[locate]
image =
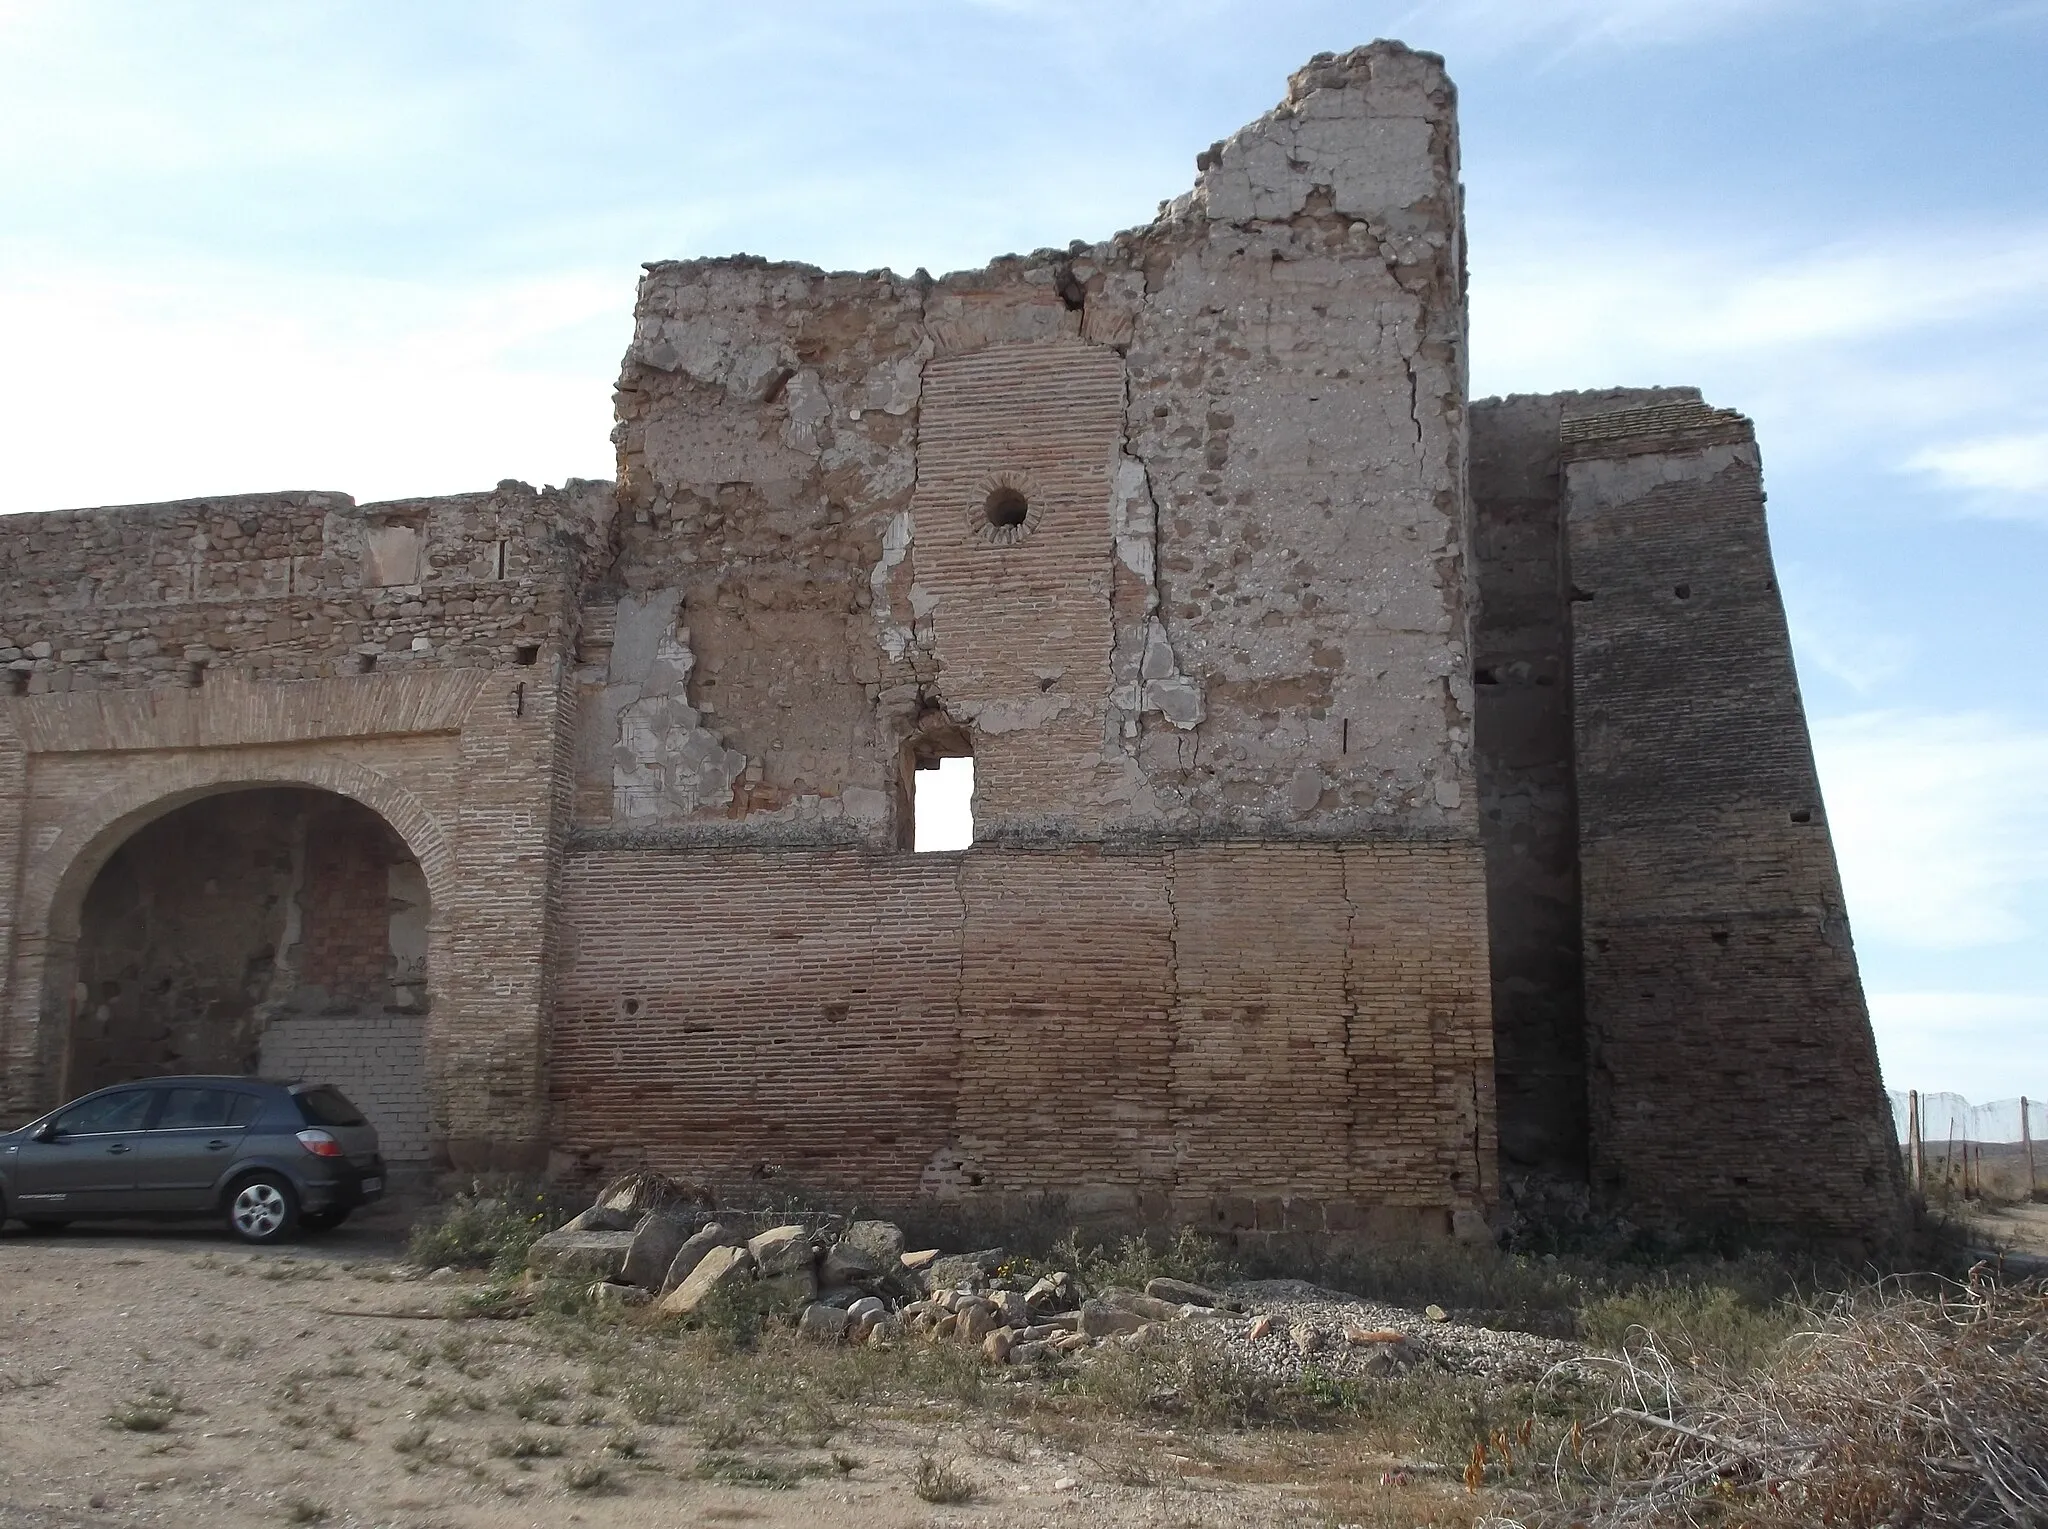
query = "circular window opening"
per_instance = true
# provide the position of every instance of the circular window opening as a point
(1006, 508)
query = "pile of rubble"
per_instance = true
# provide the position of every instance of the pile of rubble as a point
(650, 1239)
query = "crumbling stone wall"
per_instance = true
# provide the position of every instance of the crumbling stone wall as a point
(407, 656)
(1321, 796)
(1169, 532)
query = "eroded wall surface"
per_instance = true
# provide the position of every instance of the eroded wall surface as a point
(1170, 533)
(1733, 1073)
(405, 655)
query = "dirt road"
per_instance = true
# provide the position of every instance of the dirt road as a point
(175, 1378)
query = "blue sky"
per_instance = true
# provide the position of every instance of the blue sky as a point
(390, 249)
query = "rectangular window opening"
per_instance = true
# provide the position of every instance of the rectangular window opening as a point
(942, 804)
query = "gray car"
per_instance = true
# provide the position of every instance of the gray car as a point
(270, 1158)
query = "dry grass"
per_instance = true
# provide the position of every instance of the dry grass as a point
(1897, 1408)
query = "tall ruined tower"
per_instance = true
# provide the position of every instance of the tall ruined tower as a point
(1678, 1010)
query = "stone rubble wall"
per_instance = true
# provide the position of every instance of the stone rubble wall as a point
(290, 586)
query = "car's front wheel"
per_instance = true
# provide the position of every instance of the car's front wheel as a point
(263, 1208)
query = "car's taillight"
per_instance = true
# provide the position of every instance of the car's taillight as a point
(320, 1144)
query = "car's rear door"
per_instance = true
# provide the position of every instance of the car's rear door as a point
(192, 1140)
(87, 1167)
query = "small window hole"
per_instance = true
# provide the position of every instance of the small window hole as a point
(1005, 508)
(195, 673)
(1802, 814)
(1683, 591)
(17, 681)
(366, 663)
(942, 804)
(1485, 677)
(526, 654)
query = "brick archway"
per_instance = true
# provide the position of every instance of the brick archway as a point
(63, 868)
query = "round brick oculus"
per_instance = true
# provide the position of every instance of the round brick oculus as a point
(1006, 506)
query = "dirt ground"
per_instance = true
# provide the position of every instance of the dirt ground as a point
(2021, 1228)
(173, 1377)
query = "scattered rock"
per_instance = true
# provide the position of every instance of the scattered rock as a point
(867, 1306)
(782, 1249)
(717, 1269)
(1309, 1340)
(1259, 1328)
(965, 1270)
(880, 1240)
(692, 1252)
(1181, 1293)
(1099, 1319)
(1030, 1352)
(1015, 1310)
(606, 1294)
(848, 1263)
(977, 1322)
(656, 1240)
(995, 1347)
(822, 1324)
(580, 1255)
(1436, 1314)
(922, 1259)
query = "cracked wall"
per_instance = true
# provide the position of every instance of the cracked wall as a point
(1235, 603)
(1170, 531)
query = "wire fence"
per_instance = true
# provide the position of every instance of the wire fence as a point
(1952, 1146)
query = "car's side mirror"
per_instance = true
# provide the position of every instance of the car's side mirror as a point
(47, 1131)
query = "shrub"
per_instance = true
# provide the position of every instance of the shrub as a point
(482, 1231)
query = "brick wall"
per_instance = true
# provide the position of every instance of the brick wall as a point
(378, 1060)
(344, 946)
(1266, 1040)
(1734, 1077)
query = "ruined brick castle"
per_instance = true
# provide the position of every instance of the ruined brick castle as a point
(1377, 793)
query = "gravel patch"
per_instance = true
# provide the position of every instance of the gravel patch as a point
(1291, 1307)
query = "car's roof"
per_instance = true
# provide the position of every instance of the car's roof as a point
(203, 1077)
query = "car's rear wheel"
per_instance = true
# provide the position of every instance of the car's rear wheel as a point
(322, 1220)
(263, 1208)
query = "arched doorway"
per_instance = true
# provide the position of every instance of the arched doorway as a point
(274, 931)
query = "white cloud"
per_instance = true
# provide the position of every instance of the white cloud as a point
(221, 380)
(1940, 825)
(1990, 465)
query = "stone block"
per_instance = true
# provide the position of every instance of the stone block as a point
(692, 1252)
(656, 1241)
(580, 1255)
(781, 1249)
(718, 1269)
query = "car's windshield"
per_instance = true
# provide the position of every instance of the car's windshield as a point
(329, 1107)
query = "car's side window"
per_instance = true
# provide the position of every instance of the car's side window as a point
(244, 1109)
(195, 1109)
(124, 1110)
